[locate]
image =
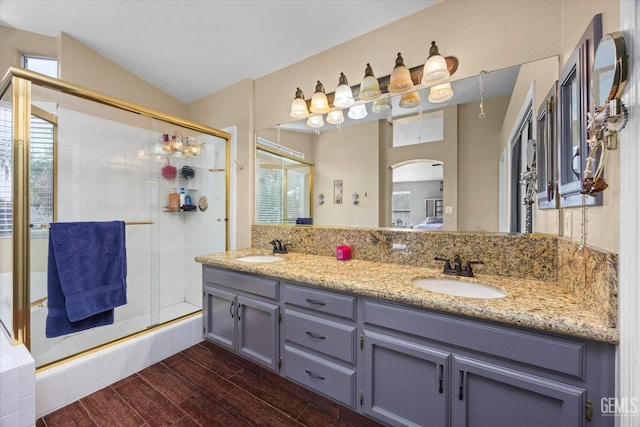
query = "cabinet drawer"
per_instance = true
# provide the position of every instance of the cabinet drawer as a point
(328, 337)
(565, 356)
(321, 375)
(241, 282)
(321, 301)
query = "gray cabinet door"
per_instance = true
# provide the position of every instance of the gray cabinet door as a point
(258, 337)
(405, 382)
(219, 311)
(487, 395)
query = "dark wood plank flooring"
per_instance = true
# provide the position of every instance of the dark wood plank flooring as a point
(204, 385)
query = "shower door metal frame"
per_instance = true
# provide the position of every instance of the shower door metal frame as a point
(20, 80)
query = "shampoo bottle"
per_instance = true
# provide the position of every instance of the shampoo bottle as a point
(182, 197)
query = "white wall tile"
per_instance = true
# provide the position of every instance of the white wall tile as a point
(139, 354)
(51, 391)
(162, 345)
(113, 365)
(82, 377)
(9, 399)
(182, 336)
(27, 411)
(12, 419)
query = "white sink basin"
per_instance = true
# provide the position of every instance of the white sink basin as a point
(259, 258)
(459, 288)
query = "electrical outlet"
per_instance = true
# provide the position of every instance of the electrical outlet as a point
(567, 224)
(448, 209)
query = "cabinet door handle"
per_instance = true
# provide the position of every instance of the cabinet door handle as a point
(441, 367)
(240, 307)
(231, 309)
(315, 376)
(461, 390)
(314, 335)
(315, 302)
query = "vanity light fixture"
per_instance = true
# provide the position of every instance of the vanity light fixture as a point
(344, 94)
(357, 112)
(299, 106)
(435, 69)
(400, 80)
(335, 118)
(370, 87)
(321, 199)
(440, 93)
(319, 102)
(410, 100)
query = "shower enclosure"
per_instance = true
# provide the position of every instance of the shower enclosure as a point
(71, 154)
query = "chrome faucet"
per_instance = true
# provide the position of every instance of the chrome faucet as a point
(457, 269)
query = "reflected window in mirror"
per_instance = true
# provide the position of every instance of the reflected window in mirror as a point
(522, 159)
(547, 151)
(283, 187)
(574, 106)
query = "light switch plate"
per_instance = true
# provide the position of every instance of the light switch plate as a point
(448, 209)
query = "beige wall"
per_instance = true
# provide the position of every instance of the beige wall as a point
(14, 43)
(298, 141)
(478, 164)
(233, 106)
(351, 155)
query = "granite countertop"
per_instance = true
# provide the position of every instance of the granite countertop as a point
(536, 304)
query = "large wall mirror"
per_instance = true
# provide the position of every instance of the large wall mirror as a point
(452, 156)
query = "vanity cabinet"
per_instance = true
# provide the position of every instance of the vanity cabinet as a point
(424, 368)
(320, 338)
(408, 366)
(241, 313)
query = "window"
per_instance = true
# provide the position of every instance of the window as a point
(43, 130)
(401, 208)
(46, 66)
(282, 188)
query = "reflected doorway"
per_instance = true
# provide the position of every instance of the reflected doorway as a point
(417, 195)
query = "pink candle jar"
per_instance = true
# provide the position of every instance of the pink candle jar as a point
(343, 252)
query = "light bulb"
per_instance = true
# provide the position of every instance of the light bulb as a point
(410, 100)
(335, 117)
(381, 106)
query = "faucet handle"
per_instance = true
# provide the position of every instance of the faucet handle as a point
(447, 263)
(468, 268)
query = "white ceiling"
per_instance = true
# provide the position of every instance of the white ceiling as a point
(192, 48)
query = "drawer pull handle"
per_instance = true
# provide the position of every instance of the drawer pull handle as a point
(315, 376)
(316, 336)
(314, 302)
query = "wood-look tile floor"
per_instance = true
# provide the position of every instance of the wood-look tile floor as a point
(204, 385)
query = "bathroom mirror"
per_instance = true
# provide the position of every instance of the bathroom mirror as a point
(364, 153)
(609, 73)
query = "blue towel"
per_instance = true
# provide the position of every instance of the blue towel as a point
(86, 277)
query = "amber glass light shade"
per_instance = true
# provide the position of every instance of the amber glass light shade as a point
(381, 106)
(410, 100)
(299, 106)
(369, 88)
(319, 102)
(440, 93)
(400, 80)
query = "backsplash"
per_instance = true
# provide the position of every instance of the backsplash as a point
(589, 273)
(516, 255)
